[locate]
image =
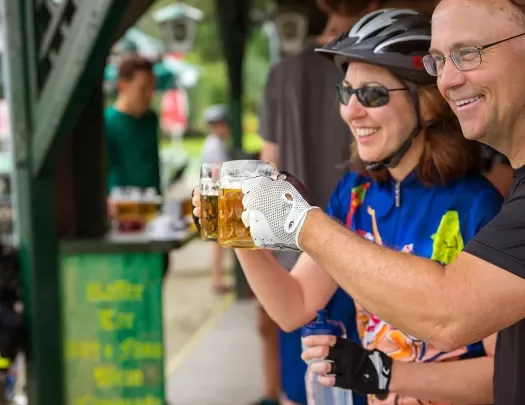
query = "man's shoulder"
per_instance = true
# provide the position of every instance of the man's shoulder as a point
(114, 117)
(152, 115)
(112, 120)
(475, 185)
(475, 192)
(518, 187)
(110, 112)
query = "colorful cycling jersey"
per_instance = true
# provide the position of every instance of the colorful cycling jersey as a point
(432, 222)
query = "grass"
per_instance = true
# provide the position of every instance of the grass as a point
(252, 143)
(192, 147)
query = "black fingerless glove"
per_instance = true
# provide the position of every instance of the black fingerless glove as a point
(355, 368)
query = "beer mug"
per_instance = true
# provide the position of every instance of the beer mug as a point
(231, 232)
(209, 188)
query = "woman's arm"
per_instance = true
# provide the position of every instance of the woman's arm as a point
(290, 298)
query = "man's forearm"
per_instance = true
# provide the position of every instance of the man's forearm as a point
(372, 275)
(456, 382)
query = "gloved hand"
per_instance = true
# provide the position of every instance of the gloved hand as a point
(348, 365)
(275, 211)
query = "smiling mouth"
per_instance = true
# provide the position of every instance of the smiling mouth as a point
(365, 132)
(467, 101)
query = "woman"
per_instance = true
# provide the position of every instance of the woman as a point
(415, 186)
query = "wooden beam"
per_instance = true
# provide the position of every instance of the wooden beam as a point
(75, 71)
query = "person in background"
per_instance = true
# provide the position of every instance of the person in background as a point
(215, 150)
(132, 128)
(304, 134)
(132, 131)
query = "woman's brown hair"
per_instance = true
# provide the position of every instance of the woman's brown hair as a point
(447, 155)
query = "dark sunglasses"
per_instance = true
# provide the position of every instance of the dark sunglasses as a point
(369, 96)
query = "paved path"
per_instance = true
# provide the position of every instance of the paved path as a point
(212, 346)
(223, 367)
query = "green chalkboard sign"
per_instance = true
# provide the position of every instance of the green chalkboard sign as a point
(112, 329)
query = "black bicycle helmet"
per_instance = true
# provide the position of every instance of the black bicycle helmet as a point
(396, 39)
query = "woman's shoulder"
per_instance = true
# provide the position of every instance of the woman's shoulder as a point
(475, 184)
(353, 179)
(476, 191)
(352, 183)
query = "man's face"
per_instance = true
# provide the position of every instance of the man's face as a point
(138, 91)
(489, 100)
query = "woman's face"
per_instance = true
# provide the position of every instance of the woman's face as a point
(378, 131)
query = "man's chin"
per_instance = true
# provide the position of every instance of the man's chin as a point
(472, 133)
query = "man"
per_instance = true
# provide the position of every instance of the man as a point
(300, 124)
(215, 150)
(477, 47)
(132, 128)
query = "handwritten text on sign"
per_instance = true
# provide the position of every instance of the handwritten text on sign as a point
(113, 329)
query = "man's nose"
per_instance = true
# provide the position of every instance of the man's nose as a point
(450, 78)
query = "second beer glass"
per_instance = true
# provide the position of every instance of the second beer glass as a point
(209, 188)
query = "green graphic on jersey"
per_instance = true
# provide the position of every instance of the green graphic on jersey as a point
(448, 242)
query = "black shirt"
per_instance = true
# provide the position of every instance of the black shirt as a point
(502, 243)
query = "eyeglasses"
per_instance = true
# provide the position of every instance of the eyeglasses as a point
(368, 96)
(465, 58)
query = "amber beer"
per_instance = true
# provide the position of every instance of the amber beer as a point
(209, 189)
(232, 231)
(209, 216)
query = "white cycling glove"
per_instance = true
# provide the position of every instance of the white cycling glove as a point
(275, 212)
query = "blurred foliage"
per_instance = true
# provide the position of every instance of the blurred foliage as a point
(207, 53)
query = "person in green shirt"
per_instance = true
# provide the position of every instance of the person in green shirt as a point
(132, 128)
